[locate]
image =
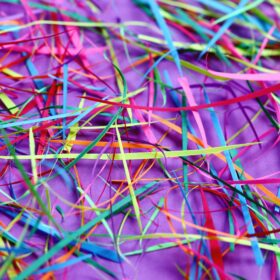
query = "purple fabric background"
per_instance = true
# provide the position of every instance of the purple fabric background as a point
(258, 162)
